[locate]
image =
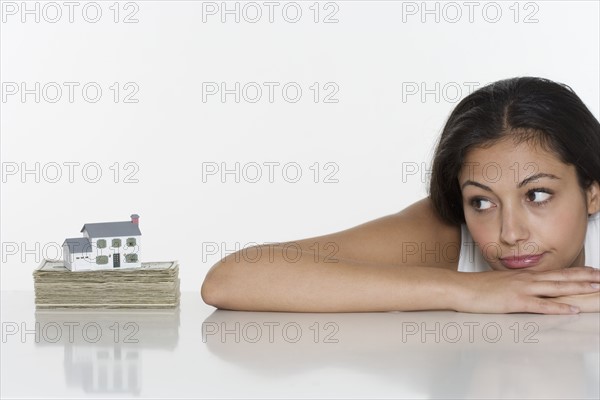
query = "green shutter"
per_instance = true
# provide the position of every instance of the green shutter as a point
(131, 258)
(116, 243)
(101, 243)
(130, 242)
(102, 260)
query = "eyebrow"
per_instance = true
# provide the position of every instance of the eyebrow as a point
(520, 185)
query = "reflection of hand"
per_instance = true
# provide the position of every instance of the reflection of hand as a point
(586, 302)
(546, 292)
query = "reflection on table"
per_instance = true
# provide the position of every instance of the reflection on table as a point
(103, 348)
(439, 354)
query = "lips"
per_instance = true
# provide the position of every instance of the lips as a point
(521, 262)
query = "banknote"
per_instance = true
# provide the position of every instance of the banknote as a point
(154, 285)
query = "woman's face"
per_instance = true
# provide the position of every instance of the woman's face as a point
(540, 221)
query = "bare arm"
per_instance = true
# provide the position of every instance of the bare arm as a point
(276, 284)
(364, 268)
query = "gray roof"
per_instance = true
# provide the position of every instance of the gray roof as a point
(78, 245)
(111, 229)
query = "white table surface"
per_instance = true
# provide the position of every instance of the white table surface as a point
(182, 354)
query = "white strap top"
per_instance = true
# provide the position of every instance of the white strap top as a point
(471, 259)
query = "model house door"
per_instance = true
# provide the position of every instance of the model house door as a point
(116, 260)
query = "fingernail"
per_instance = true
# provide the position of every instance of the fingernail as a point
(574, 309)
(595, 285)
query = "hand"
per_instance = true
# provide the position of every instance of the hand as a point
(547, 292)
(586, 302)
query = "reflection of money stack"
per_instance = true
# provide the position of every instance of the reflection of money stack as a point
(154, 285)
(103, 349)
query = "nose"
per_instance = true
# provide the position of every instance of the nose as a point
(513, 228)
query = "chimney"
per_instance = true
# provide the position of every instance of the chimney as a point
(135, 219)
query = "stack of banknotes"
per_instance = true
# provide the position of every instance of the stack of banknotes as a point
(154, 285)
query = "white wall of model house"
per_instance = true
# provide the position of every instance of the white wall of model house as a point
(104, 252)
(101, 257)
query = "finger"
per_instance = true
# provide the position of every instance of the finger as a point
(586, 302)
(546, 306)
(562, 288)
(581, 274)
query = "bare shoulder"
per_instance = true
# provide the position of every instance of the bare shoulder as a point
(415, 236)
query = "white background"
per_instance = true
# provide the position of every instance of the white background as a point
(370, 133)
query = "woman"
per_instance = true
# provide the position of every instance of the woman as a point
(514, 199)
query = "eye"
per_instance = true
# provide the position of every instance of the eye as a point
(542, 195)
(479, 200)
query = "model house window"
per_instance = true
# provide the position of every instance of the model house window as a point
(116, 243)
(130, 242)
(102, 260)
(101, 243)
(131, 258)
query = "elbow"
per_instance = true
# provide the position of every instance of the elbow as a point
(226, 284)
(217, 283)
(209, 293)
(211, 288)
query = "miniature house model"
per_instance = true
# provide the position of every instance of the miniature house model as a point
(105, 245)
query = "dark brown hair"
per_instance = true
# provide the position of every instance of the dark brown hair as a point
(528, 109)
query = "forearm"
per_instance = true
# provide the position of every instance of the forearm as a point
(308, 285)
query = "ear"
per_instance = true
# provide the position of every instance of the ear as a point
(593, 198)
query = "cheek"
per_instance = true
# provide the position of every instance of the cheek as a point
(564, 229)
(485, 236)
(482, 233)
(487, 245)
